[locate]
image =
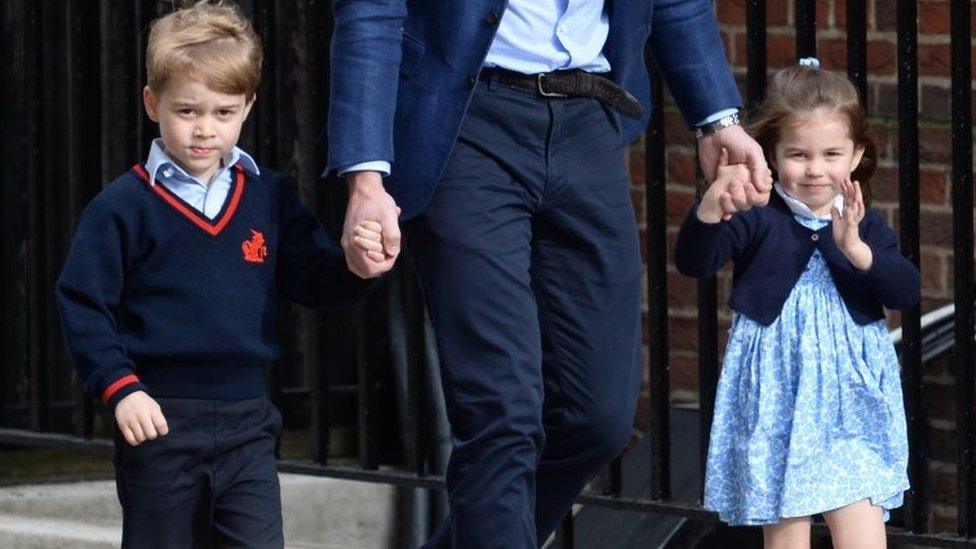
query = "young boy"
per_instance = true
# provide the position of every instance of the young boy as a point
(167, 297)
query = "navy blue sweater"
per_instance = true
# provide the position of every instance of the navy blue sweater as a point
(770, 250)
(156, 297)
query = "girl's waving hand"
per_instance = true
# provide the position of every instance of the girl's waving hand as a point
(845, 226)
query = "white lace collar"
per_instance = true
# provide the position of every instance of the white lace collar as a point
(801, 209)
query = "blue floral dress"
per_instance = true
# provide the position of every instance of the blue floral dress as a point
(808, 413)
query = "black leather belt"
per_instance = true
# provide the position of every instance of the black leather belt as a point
(572, 83)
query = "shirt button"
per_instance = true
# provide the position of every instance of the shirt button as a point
(469, 81)
(491, 18)
(815, 237)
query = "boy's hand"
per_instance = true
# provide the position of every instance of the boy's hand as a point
(140, 418)
(368, 237)
(728, 194)
(369, 201)
(845, 226)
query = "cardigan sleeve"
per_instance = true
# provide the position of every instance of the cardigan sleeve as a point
(311, 267)
(892, 279)
(701, 249)
(88, 293)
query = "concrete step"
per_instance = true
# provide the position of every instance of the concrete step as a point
(93, 502)
(318, 512)
(21, 532)
(331, 513)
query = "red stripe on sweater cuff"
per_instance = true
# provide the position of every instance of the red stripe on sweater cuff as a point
(118, 384)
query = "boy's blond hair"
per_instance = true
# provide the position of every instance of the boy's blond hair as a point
(211, 42)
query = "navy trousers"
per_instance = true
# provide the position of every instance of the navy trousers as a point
(529, 261)
(211, 482)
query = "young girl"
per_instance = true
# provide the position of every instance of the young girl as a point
(808, 415)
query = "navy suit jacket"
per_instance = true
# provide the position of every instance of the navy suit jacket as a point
(403, 72)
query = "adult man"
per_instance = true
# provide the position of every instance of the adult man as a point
(521, 227)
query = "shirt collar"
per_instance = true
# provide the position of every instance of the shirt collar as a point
(158, 158)
(801, 209)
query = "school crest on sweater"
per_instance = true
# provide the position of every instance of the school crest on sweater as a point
(254, 249)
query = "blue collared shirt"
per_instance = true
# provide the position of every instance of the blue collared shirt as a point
(206, 197)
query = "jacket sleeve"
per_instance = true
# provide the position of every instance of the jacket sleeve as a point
(701, 249)
(689, 52)
(892, 279)
(88, 294)
(365, 62)
(311, 267)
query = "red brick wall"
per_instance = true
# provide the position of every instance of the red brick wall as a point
(935, 182)
(939, 396)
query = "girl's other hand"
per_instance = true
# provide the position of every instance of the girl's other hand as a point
(845, 226)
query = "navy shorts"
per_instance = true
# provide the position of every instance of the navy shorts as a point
(211, 482)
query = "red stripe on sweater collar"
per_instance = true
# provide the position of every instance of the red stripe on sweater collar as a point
(213, 227)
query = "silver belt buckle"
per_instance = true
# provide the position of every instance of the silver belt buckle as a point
(542, 92)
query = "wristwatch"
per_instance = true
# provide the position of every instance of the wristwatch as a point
(712, 127)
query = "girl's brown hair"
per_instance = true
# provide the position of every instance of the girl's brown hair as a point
(799, 90)
(207, 41)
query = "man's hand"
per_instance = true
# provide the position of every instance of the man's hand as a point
(140, 418)
(742, 149)
(368, 201)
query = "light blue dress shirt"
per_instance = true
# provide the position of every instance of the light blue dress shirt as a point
(546, 35)
(206, 197)
(542, 36)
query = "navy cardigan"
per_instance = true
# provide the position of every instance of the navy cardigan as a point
(770, 250)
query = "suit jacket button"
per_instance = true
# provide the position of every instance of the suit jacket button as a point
(815, 237)
(491, 18)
